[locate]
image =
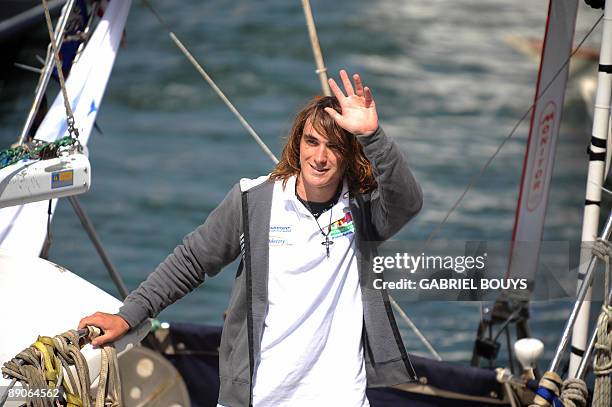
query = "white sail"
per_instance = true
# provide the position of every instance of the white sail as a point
(23, 228)
(541, 144)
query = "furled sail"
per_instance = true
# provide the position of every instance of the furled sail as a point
(23, 228)
(541, 144)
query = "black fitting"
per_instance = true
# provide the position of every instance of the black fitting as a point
(487, 348)
(596, 3)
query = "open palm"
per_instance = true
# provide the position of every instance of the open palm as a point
(358, 108)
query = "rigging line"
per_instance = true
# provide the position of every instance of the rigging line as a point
(414, 328)
(212, 84)
(73, 131)
(477, 177)
(47, 68)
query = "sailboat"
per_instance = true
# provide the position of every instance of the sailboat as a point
(192, 347)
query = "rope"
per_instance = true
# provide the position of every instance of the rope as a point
(36, 150)
(602, 358)
(46, 365)
(548, 391)
(602, 354)
(574, 393)
(602, 249)
(43, 150)
(73, 131)
(552, 392)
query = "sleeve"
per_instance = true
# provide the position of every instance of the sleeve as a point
(397, 197)
(205, 251)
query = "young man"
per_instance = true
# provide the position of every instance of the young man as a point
(304, 326)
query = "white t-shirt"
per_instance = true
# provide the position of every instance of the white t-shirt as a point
(311, 349)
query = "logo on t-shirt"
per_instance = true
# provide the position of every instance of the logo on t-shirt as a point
(279, 235)
(344, 226)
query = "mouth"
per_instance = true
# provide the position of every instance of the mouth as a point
(319, 170)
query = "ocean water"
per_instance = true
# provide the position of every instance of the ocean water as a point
(448, 86)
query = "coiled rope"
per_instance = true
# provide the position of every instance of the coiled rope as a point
(602, 361)
(553, 392)
(574, 392)
(602, 354)
(45, 365)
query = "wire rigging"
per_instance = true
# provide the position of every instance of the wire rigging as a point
(212, 84)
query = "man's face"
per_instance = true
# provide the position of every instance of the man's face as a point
(320, 163)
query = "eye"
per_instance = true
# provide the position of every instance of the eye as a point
(311, 141)
(334, 147)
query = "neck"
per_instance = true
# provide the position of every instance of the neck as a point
(312, 194)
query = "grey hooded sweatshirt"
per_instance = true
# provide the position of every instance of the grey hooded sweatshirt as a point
(240, 226)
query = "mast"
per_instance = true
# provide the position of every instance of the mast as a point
(316, 48)
(595, 178)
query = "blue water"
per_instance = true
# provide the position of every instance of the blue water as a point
(448, 87)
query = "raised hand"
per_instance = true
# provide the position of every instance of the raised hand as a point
(358, 108)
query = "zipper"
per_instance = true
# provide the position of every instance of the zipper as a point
(249, 290)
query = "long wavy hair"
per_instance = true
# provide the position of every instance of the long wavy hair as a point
(357, 168)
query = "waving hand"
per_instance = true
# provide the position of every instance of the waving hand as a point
(358, 108)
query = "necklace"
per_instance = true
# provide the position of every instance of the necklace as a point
(327, 242)
(326, 206)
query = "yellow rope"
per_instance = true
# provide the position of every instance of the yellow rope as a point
(46, 365)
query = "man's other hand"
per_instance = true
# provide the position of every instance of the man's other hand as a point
(113, 327)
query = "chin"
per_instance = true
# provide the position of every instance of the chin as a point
(329, 186)
(319, 182)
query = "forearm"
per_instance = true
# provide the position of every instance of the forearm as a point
(173, 279)
(398, 196)
(205, 251)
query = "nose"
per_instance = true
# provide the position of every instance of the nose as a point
(320, 155)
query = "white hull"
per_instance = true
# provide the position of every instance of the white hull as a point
(41, 298)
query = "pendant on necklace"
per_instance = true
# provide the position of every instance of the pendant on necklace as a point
(327, 243)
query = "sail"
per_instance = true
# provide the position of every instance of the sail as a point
(23, 228)
(541, 144)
